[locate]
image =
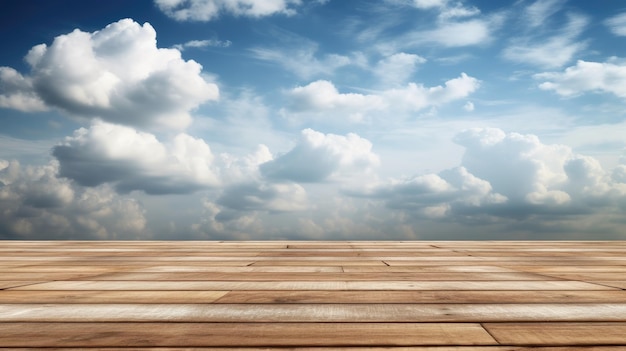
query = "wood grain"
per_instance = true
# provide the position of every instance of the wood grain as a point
(325, 295)
(241, 334)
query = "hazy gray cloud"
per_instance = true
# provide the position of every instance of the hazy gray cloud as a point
(36, 205)
(263, 196)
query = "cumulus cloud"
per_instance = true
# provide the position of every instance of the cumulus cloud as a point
(36, 204)
(540, 48)
(506, 175)
(318, 157)
(587, 76)
(321, 97)
(133, 160)
(207, 10)
(116, 74)
(617, 24)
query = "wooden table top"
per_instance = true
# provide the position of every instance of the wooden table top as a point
(361, 295)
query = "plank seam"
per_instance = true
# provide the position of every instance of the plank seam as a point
(482, 325)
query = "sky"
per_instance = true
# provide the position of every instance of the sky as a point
(313, 120)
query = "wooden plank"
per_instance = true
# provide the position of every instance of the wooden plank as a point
(186, 285)
(16, 283)
(320, 276)
(303, 262)
(428, 296)
(39, 276)
(615, 276)
(428, 268)
(241, 334)
(341, 313)
(65, 269)
(90, 296)
(237, 269)
(315, 285)
(359, 348)
(558, 333)
(569, 269)
(621, 284)
(506, 263)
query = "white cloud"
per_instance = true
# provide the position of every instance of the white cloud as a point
(117, 74)
(417, 97)
(321, 97)
(458, 11)
(506, 175)
(617, 24)
(132, 160)
(203, 44)
(453, 34)
(548, 51)
(447, 9)
(318, 157)
(207, 10)
(457, 25)
(429, 4)
(587, 76)
(36, 205)
(538, 12)
(469, 106)
(397, 68)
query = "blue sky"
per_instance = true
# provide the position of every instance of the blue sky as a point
(294, 119)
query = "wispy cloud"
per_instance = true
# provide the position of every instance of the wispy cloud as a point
(203, 44)
(303, 61)
(537, 47)
(617, 24)
(207, 10)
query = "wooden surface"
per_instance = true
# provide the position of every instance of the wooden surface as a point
(438, 296)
